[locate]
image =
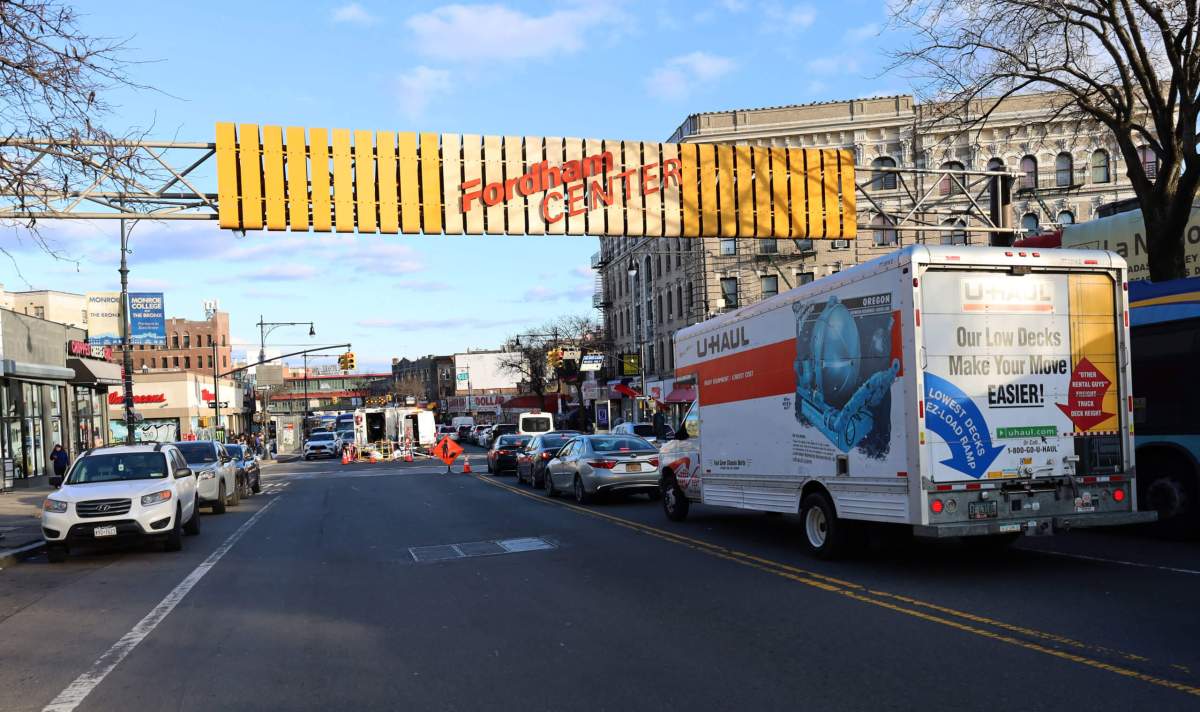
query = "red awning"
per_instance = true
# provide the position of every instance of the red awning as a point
(549, 403)
(681, 394)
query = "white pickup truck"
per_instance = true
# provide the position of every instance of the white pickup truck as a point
(956, 391)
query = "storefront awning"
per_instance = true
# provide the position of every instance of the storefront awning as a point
(20, 369)
(681, 394)
(94, 372)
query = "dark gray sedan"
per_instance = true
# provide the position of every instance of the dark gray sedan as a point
(531, 464)
(248, 473)
(592, 464)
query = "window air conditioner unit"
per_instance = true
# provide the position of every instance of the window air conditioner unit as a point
(720, 303)
(841, 244)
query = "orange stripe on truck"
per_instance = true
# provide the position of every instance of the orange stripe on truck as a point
(753, 373)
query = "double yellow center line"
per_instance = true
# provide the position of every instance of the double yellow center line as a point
(1037, 641)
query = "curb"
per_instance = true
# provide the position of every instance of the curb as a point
(9, 557)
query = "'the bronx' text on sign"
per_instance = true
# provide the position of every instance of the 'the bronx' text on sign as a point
(385, 181)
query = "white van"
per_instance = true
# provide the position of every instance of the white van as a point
(535, 423)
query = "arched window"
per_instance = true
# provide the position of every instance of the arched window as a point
(1030, 224)
(951, 185)
(882, 180)
(954, 237)
(1063, 168)
(1066, 217)
(884, 229)
(1029, 173)
(1149, 160)
(1100, 166)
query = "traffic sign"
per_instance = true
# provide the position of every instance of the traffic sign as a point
(213, 404)
(591, 362)
(447, 450)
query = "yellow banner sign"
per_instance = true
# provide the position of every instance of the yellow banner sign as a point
(389, 182)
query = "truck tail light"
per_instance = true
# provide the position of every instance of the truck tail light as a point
(1119, 495)
(936, 506)
(603, 464)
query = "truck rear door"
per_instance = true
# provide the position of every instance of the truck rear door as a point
(1020, 374)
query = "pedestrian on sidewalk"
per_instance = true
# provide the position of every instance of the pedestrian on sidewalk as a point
(61, 460)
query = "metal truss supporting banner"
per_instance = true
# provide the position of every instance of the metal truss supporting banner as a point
(387, 182)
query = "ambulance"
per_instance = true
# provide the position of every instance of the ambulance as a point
(954, 391)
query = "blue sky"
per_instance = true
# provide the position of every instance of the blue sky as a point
(604, 69)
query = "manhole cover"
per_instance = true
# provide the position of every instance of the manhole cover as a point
(526, 544)
(480, 548)
(434, 553)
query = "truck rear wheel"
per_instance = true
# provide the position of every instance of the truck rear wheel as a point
(675, 502)
(824, 534)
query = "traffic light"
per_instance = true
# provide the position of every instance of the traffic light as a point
(342, 362)
(351, 363)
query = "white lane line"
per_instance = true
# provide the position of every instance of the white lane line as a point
(74, 694)
(1138, 564)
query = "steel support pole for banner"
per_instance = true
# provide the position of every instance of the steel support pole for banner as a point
(216, 387)
(127, 356)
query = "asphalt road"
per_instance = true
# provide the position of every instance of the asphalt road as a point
(318, 594)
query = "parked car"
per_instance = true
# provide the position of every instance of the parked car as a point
(323, 444)
(216, 477)
(475, 431)
(248, 473)
(497, 430)
(641, 430)
(119, 493)
(481, 437)
(593, 464)
(464, 433)
(503, 455)
(531, 463)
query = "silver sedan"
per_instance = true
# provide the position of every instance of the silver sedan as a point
(592, 464)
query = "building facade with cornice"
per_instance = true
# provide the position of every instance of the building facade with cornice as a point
(649, 288)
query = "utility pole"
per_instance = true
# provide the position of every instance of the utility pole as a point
(304, 408)
(216, 390)
(127, 356)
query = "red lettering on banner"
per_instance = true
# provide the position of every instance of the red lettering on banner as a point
(467, 197)
(546, 207)
(574, 196)
(597, 193)
(670, 169)
(492, 193)
(624, 176)
(648, 178)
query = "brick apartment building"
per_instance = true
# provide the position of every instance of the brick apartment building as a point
(192, 345)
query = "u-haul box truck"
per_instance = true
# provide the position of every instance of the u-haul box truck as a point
(957, 391)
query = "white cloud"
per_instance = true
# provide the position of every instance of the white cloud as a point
(862, 33)
(680, 75)
(789, 17)
(419, 86)
(733, 5)
(354, 14)
(485, 33)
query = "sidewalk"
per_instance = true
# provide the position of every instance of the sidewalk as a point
(20, 523)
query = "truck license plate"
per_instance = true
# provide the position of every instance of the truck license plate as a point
(104, 531)
(982, 510)
(633, 467)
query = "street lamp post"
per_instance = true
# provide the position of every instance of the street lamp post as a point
(126, 351)
(266, 327)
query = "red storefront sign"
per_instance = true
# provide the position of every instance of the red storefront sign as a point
(83, 349)
(115, 398)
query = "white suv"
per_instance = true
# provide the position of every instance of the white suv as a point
(119, 493)
(216, 473)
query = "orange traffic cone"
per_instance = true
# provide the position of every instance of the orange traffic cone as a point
(408, 456)
(346, 456)
(466, 466)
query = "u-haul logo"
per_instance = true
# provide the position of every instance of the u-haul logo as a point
(1014, 295)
